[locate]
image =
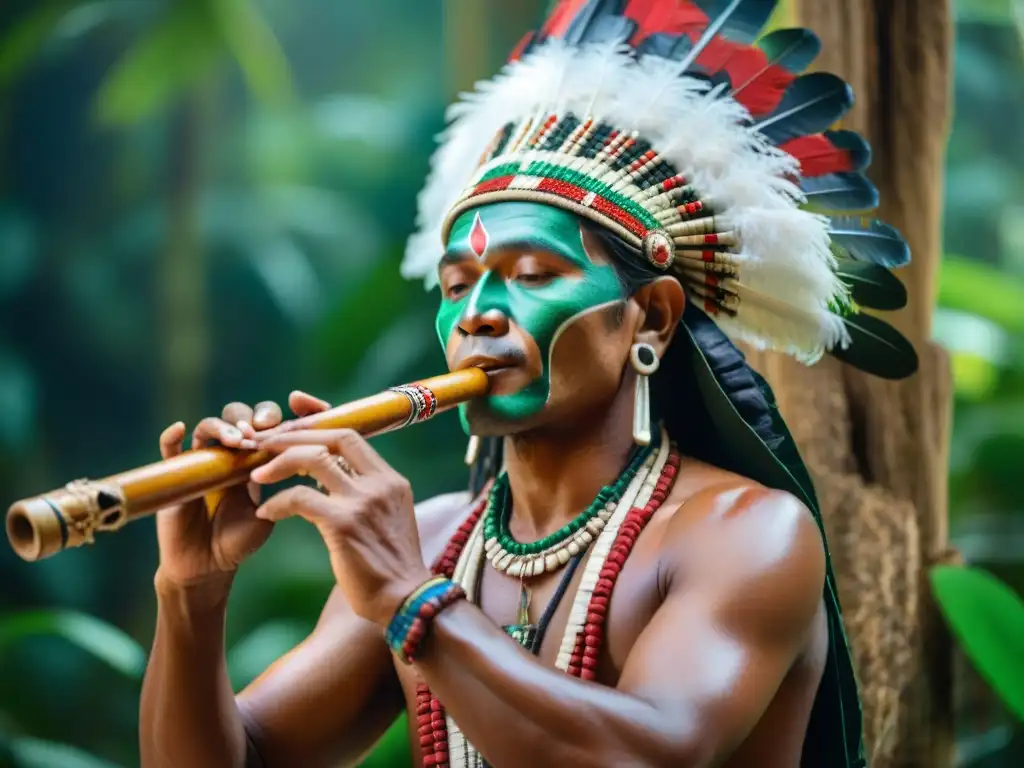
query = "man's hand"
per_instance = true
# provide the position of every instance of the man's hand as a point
(365, 514)
(207, 541)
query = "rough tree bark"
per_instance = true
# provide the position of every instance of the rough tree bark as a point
(878, 450)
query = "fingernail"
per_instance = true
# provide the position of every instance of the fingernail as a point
(232, 433)
(248, 445)
(245, 426)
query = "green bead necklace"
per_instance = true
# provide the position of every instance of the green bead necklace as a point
(553, 551)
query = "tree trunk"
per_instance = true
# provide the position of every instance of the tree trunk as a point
(878, 450)
(467, 43)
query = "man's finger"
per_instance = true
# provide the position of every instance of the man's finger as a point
(236, 412)
(267, 415)
(218, 430)
(315, 461)
(303, 404)
(170, 440)
(346, 443)
(301, 501)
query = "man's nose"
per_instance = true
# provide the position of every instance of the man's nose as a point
(493, 322)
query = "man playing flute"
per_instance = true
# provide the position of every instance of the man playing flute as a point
(638, 574)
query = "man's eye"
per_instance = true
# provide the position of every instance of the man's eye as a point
(537, 279)
(457, 291)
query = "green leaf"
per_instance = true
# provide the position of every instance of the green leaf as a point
(104, 641)
(26, 39)
(988, 620)
(255, 48)
(1018, 18)
(176, 55)
(983, 11)
(973, 286)
(393, 749)
(36, 753)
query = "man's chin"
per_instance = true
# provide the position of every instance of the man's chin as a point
(506, 382)
(501, 416)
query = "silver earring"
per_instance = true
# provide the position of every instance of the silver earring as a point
(472, 450)
(645, 363)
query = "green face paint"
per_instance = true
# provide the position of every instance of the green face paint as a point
(542, 311)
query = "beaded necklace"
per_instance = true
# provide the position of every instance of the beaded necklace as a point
(441, 741)
(551, 553)
(554, 551)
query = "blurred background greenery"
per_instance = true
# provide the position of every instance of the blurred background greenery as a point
(207, 200)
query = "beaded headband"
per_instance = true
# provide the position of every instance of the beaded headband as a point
(664, 122)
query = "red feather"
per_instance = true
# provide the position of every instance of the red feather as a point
(745, 65)
(818, 156)
(561, 17)
(670, 17)
(521, 46)
(763, 84)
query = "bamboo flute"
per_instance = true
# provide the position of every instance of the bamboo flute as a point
(41, 526)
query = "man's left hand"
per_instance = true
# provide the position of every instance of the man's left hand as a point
(365, 514)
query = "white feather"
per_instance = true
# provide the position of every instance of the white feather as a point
(786, 264)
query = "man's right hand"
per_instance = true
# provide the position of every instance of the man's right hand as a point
(197, 547)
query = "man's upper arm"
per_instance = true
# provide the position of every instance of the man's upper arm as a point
(327, 700)
(745, 586)
(330, 698)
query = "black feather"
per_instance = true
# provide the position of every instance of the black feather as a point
(840, 192)
(590, 16)
(675, 48)
(666, 46)
(740, 20)
(610, 28)
(873, 286)
(855, 145)
(871, 240)
(812, 104)
(792, 49)
(877, 348)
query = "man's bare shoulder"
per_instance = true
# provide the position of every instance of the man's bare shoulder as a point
(727, 534)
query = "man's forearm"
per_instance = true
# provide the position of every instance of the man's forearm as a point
(188, 711)
(509, 705)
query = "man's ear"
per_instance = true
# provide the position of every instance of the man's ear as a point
(662, 302)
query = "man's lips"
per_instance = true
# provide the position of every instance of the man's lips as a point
(489, 364)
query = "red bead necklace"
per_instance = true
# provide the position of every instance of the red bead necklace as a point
(432, 729)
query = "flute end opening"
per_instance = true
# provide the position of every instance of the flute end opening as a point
(34, 530)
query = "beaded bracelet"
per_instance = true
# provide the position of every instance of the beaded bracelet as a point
(411, 621)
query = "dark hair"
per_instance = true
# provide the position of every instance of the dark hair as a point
(675, 396)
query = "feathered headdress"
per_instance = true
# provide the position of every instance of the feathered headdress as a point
(710, 153)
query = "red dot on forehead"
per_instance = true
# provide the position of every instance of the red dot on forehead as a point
(478, 237)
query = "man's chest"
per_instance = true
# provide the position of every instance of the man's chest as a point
(536, 612)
